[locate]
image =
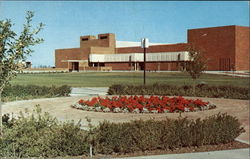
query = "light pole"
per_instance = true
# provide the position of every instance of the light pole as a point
(144, 45)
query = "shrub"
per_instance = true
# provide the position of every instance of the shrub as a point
(141, 135)
(40, 135)
(202, 90)
(30, 91)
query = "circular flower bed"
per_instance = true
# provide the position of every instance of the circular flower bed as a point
(141, 104)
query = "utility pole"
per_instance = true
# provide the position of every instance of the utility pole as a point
(144, 45)
(144, 63)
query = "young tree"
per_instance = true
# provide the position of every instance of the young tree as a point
(14, 49)
(197, 64)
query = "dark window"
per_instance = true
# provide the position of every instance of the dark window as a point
(103, 37)
(98, 64)
(179, 57)
(85, 39)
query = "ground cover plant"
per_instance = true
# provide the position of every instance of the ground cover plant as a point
(141, 104)
(96, 79)
(202, 90)
(33, 91)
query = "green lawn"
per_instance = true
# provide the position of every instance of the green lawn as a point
(105, 79)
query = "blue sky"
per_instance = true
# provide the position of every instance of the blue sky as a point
(161, 22)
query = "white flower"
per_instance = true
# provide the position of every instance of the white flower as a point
(154, 111)
(117, 110)
(186, 109)
(125, 110)
(106, 110)
(145, 110)
(98, 109)
(85, 107)
(166, 111)
(136, 110)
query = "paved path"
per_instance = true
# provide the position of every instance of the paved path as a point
(225, 154)
(229, 73)
(89, 91)
(60, 108)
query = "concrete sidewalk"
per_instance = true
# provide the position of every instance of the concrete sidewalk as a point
(229, 73)
(225, 154)
(89, 91)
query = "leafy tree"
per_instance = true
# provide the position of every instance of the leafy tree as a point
(14, 49)
(197, 64)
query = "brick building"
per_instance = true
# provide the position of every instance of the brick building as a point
(226, 48)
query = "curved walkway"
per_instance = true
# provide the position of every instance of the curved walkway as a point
(60, 108)
(225, 154)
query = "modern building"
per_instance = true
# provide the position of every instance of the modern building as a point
(225, 47)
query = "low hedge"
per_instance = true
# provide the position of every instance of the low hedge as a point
(40, 135)
(166, 134)
(201, 90)
(29, 91)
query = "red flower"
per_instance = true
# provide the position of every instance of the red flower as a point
(152, 103)
(81, 101)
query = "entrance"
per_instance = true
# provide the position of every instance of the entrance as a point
(224, 64)
(141, 66)
(75, 66)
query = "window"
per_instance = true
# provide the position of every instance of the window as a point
(103, 37)
(179, 57)
(85, 39)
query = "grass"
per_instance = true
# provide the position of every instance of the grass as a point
(106, 79)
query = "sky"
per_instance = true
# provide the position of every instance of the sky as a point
(160, 21)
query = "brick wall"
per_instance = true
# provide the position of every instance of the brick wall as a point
(225, 47)
(70, 54)
(102, 50)
(242, 48)
(104, 40)
(119, 66)
(150, 66)
(154, 48)
(218, 44)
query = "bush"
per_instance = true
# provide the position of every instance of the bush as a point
(202, 90)
(29, 91)
(167, 134)
(40, 135)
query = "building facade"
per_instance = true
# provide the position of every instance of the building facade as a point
(226, 48)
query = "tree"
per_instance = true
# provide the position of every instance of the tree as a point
(14, 49)
(197, 64)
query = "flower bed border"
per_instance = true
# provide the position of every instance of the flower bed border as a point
(93, 104)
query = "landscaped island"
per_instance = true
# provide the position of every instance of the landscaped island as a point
(142, 104)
